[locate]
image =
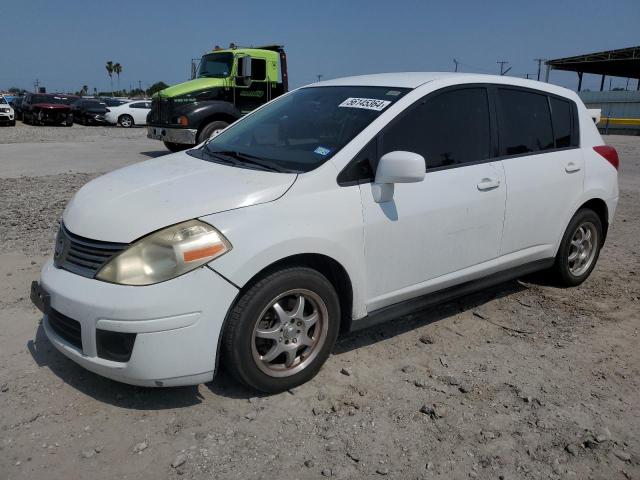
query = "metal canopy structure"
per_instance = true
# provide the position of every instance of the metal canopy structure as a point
(624, 62)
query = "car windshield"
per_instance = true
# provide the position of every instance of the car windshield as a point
(3, 100)
(302, 130)
(216, 65)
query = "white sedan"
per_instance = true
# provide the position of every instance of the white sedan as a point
(129, 114)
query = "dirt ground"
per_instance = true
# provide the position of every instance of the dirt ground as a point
(523, 381)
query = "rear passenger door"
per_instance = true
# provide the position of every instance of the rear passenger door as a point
(544, 168)
(432, 230)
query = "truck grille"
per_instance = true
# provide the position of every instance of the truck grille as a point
(83, 256)
(66, 328)
(160, 111)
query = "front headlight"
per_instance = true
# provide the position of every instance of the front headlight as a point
(165, 254)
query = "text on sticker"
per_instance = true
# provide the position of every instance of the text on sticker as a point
(366, 103)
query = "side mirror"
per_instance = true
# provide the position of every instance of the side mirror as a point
(244, 71)
(396, 167)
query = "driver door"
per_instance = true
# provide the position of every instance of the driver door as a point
(433, 233)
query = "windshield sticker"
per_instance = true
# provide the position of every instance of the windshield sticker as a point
(366, 103)
(393, 93)
(322, 151)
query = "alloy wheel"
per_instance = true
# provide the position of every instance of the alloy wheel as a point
(582, 249)
(289, 333)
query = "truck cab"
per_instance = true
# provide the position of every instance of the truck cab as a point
(227, 84)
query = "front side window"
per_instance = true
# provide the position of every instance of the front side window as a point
(215, 65)
(525, 122)
(451, 128)
(302, 130)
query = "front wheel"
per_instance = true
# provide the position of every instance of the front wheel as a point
(579, 249)
(282, 329)
(176, 147)
(211, 130)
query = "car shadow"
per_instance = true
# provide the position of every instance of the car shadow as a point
(155, 153)
(104, 389)
(401, 325)
(224, 385)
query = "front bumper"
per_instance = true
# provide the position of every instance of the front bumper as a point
(177, 324)
(174, 135)
(6, 117)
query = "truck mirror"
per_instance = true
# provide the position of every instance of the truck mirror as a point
(244, 71)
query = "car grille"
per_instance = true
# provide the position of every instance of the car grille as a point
(66, 328)
(83, 256)
(160, 111)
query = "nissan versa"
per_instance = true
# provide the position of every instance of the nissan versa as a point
(333, 207)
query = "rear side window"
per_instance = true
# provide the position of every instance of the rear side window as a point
(451, 128)
(258, 69)
(525, 122)
(562, 116)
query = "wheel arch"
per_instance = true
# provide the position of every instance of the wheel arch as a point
(327, 266)
(599, 206)
(217, 116)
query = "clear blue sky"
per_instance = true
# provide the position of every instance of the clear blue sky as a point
(65, 44)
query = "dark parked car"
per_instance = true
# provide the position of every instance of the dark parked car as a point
(113, 102)
(88, 111)
(16, 104)
(51, 108)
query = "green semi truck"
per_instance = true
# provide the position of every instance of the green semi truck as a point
(228, 83)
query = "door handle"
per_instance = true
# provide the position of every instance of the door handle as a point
(488, 184)
(572, 167)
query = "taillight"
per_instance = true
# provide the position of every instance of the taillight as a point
(609, 153)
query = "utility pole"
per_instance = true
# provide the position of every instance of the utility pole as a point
(502, 63)
(320, 76)
(139, 84)
(539, 60)
(36, 84)
(456, 63)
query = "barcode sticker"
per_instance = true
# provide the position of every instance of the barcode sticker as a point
(366, 103)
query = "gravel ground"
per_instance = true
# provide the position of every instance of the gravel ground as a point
(23, 133)
(521, 381)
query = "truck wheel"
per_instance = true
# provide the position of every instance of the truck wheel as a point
(125, 121)
(176, 147)
(211, 129)
(282, 329)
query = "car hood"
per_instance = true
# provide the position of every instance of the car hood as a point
(131, 202)
(53, 106)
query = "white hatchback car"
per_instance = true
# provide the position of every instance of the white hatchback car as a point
(332, 208)
(129, 114)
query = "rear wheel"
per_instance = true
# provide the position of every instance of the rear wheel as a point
(176, 147)
(282, 329)
(211, 130)
(125, 121)
(579, 249)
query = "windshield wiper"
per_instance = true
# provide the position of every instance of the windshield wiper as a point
(250, 159)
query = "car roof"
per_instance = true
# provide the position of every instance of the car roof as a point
(416, 79)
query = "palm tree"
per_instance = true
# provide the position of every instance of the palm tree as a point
(85, 90)
(110, 70)
(117, 69)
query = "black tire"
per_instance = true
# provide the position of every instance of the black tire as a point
(127, 119)
(208, 129)
(238, 340)
(561, 273)
(176, 147)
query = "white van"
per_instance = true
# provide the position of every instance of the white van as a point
(334, 207)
